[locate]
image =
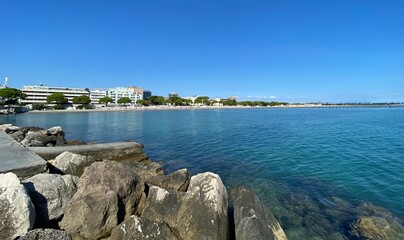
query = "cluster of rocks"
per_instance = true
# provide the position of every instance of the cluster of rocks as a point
(83, 198)
(39, 137)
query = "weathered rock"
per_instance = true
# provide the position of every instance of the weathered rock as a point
(11, 129)
(376, 228)
(203, 213)
(46, 234)
(57, 141)
(162, 205)
(36, 137)
(145, 170)
(108, 192)
(199, 213)
(252, 219)
(176, 181)
(18, 135)
(17, 213)
(36, 143)
(137, 228)
(50, 193)
(3, 127)
(71, 163)
(56, 131)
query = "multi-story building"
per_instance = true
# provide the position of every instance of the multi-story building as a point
(120, 92)
(96, 95)
(38, 94)
(146, 94)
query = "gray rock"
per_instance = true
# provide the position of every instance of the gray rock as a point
(57, 141)
(17, 213)
(37, 137)
(71, 163)
(50, 193)
(3, 127)
(376, 228)
(145, 170)
(18, 135)
(35, 143)
(203, 213)
(176, 181)
(199, 213)
(252, 219)
(162, 205)
(75, 142)
(11, 129)
(56, 131)
(108, 192)
(46, 234)
(137, 228)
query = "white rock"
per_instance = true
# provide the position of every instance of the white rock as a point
(17, 213)
(71, 163)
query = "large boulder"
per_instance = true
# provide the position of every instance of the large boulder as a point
(203, 214)
(176, 181)
(137, 228)
(56, 131)
(71, 163)
(108, 192)
(46, 234)
(199, 213)
(252, 219)
(50, 193)
(17, 213)
(32, 139)
(145, 170)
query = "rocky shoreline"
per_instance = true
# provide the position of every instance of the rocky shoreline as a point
(124, 195)
(81, 197)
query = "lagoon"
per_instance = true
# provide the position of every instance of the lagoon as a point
(313, 168)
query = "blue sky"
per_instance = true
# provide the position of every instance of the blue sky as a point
(295, 51)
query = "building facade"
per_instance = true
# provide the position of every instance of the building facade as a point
(96, 95)
(146, 94)
(120, 92)
(38, 94)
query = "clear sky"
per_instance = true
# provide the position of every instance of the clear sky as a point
(302, 50)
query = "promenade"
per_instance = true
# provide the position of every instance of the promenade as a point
(18, 159)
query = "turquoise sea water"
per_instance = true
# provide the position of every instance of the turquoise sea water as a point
(311, 167)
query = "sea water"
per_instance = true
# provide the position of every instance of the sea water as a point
(313, 168)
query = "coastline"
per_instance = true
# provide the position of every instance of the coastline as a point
(157, 108)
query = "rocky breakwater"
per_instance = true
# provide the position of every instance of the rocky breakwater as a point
(81, 197)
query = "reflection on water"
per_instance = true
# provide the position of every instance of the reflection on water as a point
(316, 169)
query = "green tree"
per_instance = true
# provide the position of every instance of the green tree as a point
(157, 100)
(84, 99)
(124, 100)
(10, 96)
(105, 100)
(57, 98)
(143, 102)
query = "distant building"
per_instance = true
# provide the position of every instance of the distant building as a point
(38, 94)
(232, 98)
(131, 92)
(146, 94)
(2, 86)
(96, 95)
(5, 83)
(173, 94)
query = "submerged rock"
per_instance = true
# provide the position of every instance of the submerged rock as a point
(71, 163)
(50, 193)
(46, 234)
(376, 228)
(252, 219)
(137, 228)
(17, 213)
(108, 192)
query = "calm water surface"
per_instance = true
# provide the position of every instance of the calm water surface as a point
(311, 167)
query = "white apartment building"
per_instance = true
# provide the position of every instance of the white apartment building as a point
(96, 95)
(133, 93)
(38, 94)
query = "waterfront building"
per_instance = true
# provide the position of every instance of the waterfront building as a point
(96, 95)
(134, 93)
(38, 94)
(5, 83)
(146, 94)
(173, 94)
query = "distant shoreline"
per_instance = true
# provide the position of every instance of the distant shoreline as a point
(157, 108)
